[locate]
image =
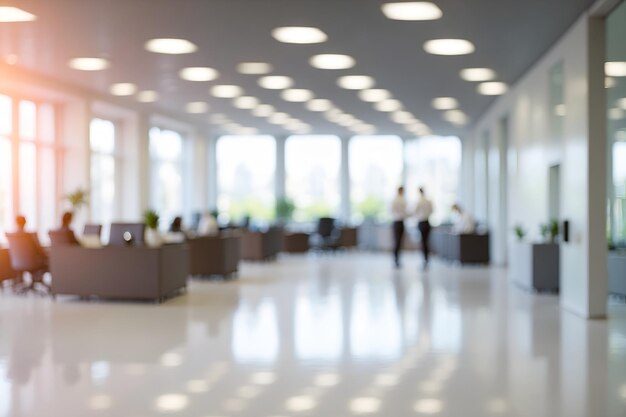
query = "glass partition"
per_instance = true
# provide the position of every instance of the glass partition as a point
(102, 143)
(166, 166)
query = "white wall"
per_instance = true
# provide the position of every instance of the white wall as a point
(532, 151)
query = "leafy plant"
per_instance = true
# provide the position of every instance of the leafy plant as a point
(550, 230)
(77, 198)
(519, 231)
(151, 219)
(371, 207)
(284, 208)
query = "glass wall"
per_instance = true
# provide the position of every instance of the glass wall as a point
(616, 105)
(375, 173)
(313, 169)
(28, 164)
(434, 163)
(102, 143)
(246, 168)
(166, 174)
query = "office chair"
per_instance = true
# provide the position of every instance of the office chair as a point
(27, 255)
(62, 238)
(92, 230)
(326, 234)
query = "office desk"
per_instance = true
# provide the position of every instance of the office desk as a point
(119, 272)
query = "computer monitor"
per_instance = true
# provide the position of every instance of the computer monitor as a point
(127, 234)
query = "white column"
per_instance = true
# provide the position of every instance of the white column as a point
(280, 176)
(211, 172)
(345, 180)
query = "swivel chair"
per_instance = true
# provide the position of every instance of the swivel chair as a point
(27, 255)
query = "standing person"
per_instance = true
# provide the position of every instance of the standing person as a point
(398, 213)
(423, 211)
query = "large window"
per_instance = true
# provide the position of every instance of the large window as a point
(375, 174)
(434, 163)
(313, 166)
(166, 164)
(28, 161)
(102, 143)
(246, 170)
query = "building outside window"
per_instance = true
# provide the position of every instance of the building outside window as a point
(313, 169)
(103, 156)
(246, 167)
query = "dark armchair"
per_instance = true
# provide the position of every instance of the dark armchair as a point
(27, 255)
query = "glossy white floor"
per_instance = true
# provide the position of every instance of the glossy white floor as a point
(315, 336)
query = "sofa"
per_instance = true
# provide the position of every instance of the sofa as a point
(295, 242)
(464, 248)
(215, 255)
(261, 245)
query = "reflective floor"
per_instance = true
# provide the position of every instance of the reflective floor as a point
(316, 336)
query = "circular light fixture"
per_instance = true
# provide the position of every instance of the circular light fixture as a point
(388, 105)
(417, 10)
(296, 95)
(402, 117)
(226, 91)
(123, 89)
(445, 103)
(196, 107)
(365, 405)
(275, 82)
(254, 68)
(89, 64)
(278, 118)
(615, 68)
(373, 95)
(456, 117)
(147, 96)
(171, 403)
(428, 406)
(263, 110)
(300, 403)
(319, 104)
(299, 34)
(245, 102)
(332, 61)
(355, 82)
(478, 74)
(198, 74)
(492, 88)
(449, 47)
(170, 46)
(218, 118)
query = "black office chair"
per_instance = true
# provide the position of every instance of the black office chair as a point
(27, 255)
(326, 234)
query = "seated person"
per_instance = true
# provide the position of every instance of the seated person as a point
(20, 223)
(208, 225)
(464, 222)
(177, 225)
(175, 234)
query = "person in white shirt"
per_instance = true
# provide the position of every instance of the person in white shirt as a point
(208, 225)
(464, 222)
(398, 214)
(423, 211)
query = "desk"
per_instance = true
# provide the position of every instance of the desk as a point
(119, 272)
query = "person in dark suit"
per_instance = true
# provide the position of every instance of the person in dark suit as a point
(398, 214)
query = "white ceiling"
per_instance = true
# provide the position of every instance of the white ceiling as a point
(509, 37)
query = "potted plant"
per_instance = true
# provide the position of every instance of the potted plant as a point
(519, 231)
(284, 209)
(77, 199)
(550, 231)
(151, 220)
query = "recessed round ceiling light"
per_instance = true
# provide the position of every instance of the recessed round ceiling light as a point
(445, 103)
(9, 14)
(417, 10)
(247, 131)
(402, 117)
(492, 88)
(254, 68)
(374, 95)
(300, 403)
(456, 117)
(171, 402)
(226, 91)
(365, 405)
(616, 113)
(170, 46)
(299, 34)
(218, 118)
(332, 61)
(275, 82)
(355, 82)
(297, 95)
(428, 406)
(615, 68)
(88, 64)
(196, 107)
(478, 74)
(609, 82)
(198, 74)
(278, 118)
(263, 110)
(388, 105)
(245, 102)
(449, 47)
(147, 96)
(319, 104)
(123, 89)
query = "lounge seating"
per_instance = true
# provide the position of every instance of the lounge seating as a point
(348, 237)
(214, 255)
(326, 235)
(463, 248)
(27, 256)
(295, 242)
(261, 246)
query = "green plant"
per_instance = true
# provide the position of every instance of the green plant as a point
(550, 230)
(520, 232)
(284, 208)
(77, 198)
(151, 219)
(371, 207)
